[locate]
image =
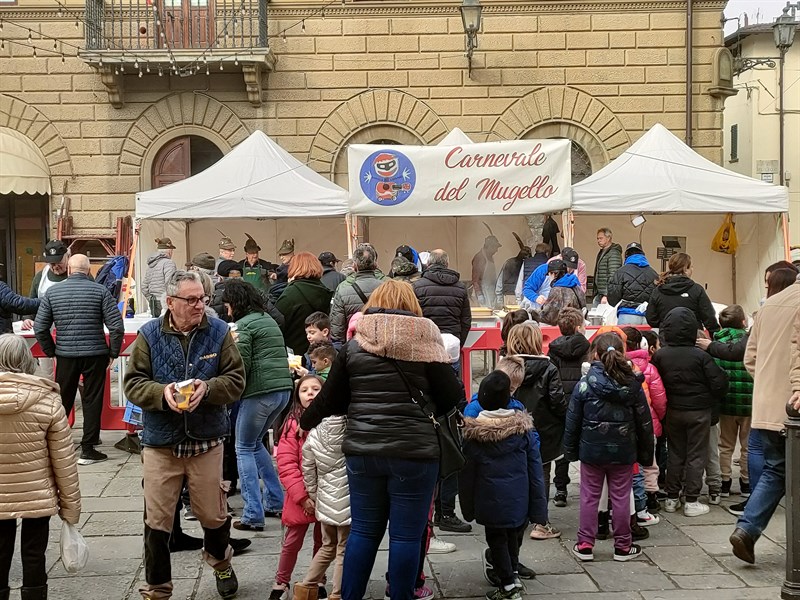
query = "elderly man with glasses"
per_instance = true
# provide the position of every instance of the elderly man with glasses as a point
(182, 436)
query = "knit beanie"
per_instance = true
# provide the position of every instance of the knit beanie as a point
(494, 391)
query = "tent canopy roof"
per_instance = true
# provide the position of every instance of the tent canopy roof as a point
(257, 179)
(23, 168)
(456, 137)
(659, 173)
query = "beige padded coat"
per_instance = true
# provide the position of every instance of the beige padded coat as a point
(38, 468)
(325, 471)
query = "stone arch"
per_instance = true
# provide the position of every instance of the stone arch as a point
(563, 111)
(21, 116)
(366, 110)
(176, 115)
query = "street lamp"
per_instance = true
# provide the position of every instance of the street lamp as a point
(783, 31)
(471, 18)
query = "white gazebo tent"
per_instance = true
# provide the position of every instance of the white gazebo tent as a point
(258, 188)
(687, 194)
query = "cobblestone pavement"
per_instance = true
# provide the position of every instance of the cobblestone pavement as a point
(684, 558)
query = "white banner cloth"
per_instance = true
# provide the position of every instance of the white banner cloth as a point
(519, 177)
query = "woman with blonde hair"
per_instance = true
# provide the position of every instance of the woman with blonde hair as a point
(305, 294)
(38, 468)
(391, 447)
(542, 394)
(675, 288)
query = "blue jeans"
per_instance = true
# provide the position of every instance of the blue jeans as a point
(627, 319)
(256, 415)
(387, 489)
(639, 494)
(771, 486)
(755, 457)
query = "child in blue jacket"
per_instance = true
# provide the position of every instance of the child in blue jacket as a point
(514, 367)
(502, 484)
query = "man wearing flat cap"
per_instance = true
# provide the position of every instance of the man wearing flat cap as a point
(204, 263)
(160, 268)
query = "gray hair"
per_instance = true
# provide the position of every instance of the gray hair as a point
(440, 258)
(365, 257)
(348, 267)
(15, 357)
(606, 232)
(180, 277)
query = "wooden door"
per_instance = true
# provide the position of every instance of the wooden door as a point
(173, 163)
(187, 23)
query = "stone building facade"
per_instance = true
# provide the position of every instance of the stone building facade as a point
(599, 73)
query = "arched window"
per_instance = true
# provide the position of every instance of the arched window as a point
(389, 135)
(588, 155)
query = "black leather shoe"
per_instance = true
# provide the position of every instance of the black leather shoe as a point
(239, 546)
(743, 546)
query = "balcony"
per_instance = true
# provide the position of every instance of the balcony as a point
(181, 38)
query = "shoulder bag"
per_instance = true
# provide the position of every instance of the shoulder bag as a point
(448, 432)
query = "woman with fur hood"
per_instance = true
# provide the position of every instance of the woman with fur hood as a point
(502, 485)
(391, 448)
(542, 394)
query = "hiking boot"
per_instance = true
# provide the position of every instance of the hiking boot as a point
(438, 546)
(653, 504)
(725, 491)
(695, 509)
(560, 499)
(544, 532)
(90, 456)
(583, 552)
(501, 594)
(743, 546)
(672, 505)
(629, 554)
(603, 525)
(227, 584)
(737, 510)
(744, 488)
(453, 524)
(646, 519)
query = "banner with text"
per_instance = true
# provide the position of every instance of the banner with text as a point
(495, 178)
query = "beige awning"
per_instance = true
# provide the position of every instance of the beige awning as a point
(23, 168)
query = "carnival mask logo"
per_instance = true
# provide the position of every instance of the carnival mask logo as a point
(388, 177)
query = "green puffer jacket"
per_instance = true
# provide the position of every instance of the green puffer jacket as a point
(263, 351)
(738, 402)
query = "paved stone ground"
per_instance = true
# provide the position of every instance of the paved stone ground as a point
(685, 558)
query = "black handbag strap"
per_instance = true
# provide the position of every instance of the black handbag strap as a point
(417, 397)
(360, 293)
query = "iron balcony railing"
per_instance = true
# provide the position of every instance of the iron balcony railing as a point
(175, 24)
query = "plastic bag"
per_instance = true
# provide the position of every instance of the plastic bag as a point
(74, 551)
(725, 240)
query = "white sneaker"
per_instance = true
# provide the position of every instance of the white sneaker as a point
(672, 505)
(438, 546)
(646, 519)
(695, 509)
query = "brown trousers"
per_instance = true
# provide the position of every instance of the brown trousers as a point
(163, 480)
(731, 429)
(334, 540)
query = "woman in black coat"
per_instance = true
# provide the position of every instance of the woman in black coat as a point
(304, 294)
(676, 288)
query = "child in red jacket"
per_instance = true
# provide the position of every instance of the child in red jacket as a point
(298, 508)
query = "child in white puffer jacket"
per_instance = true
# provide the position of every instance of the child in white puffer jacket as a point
(325, 478)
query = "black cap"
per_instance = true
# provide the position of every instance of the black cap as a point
(570, 257)
(554, 266)
(328, 259)
(494, 391)
(226, 266)
(633, 248)
(54, 251)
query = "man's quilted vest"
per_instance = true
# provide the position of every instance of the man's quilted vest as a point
(170, 365)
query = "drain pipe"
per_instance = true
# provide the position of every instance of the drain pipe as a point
(689, 61)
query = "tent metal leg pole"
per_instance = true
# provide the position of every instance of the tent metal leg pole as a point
(787, 252)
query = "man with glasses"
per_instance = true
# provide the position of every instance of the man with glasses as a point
(79, 308)
(182, 436)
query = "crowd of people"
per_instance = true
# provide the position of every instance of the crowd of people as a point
(347, 372)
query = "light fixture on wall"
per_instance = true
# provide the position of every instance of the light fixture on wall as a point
(638, 220)
(471, 18)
